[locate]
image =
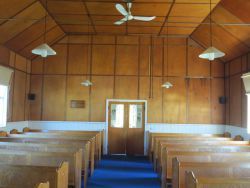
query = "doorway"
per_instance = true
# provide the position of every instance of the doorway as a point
(126, 127)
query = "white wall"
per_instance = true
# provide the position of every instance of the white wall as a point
(237, 131)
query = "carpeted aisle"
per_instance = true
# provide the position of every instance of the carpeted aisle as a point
(121, 172)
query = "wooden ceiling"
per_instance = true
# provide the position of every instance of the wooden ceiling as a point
(22, 25)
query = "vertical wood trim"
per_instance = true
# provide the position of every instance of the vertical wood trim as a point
(210, 92)
(90, 74)
(13, 91)
(66, 84)
(42, 89)
(241, 114)
(115, 59)
(25, 95)
(229, 94)
(162, 79)
(187, 81)
(139, 68)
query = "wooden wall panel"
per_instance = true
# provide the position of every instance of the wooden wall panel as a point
(199, 108)
(126, 87)
(157, 58)
(217, 69)
(175, 60)
(144, 60)
(36, 87)
(21, 63)
(196, 66)
(103, 59)
(174, 101)
(235, 66)
(75, 91)
(217, 109)
(18, 111)
(101, 91)
(54, 98)
(127, 60)
(235, 100)
(57, 64)
(155, 102)
(26, 100)
(120, 69)
(228, 99)
(37, 65)
(78, 59)
(4, 56)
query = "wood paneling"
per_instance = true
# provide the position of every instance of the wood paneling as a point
(196, 66)
(57, 64)
(18, 111)
(155, 112)
(217, 109)
(235, 100)
(78, 59)
(102, 90)
(127, 60)
(21, 63)
(103, 59)
(199, 108)
(174, 101)
(75, 91)
(36, 87)
(120, 69)
(175, 65)
(54, 98)
(126, 87)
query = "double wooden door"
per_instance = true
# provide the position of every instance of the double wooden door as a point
(126, 128)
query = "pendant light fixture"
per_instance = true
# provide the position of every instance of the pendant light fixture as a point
(87, 82)
(167, 85)
(44, 49)
(211, 53)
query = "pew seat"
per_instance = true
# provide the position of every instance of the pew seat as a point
(29, 176)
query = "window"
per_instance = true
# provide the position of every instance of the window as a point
(117, 115)
(3, 105)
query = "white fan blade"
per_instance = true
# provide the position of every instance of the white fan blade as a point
(121, 9)
(121, 21)
(141, 18)
(129, 6)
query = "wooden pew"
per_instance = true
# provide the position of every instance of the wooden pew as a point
(16, 176)
(163, 145)
(36, 158)
(98, 134)
(216, 182)
(153, 135)
(173, 151)
(59, 152)
(42, 185)
(195, 140)
(61, 139)
(211, 169)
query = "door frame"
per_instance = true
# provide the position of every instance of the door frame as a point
(124, 101)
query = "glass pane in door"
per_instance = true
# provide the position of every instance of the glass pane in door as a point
(117, 115)
(135, 116)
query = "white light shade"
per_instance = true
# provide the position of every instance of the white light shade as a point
(44, 50)
(246, 81)
(87, 83)
(167, 85)
(211, 53)
(5, 75)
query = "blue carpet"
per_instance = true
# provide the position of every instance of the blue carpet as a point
(121, 172)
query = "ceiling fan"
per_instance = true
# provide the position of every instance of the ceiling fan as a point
(128, 15)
